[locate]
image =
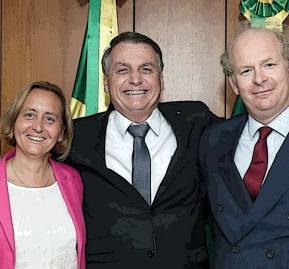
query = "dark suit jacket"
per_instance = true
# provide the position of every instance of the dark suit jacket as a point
(122, 230)
(248, 235)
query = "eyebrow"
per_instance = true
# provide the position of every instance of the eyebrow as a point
(34, 110)
(267, 60)
(148, 64)
(262, 62)
(121, 63)
(126, 64)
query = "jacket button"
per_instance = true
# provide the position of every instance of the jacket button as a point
(151, 253)
(287, 216)
(178, 112)
(270, 254)
(220, 207)
(236, 248)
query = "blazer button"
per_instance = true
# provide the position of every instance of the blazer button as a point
(270, 254)
(236, 248)
(151, 253)
(178, 112)
(287, 216)
(220, 207)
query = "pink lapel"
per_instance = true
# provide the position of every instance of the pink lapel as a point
(5, 212)
(70, 194)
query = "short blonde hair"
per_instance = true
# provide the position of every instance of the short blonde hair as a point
(62, 148)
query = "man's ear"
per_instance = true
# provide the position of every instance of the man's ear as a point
(105, 83)
(233, 83)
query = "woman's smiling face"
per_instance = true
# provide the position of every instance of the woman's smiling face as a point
(38, 126)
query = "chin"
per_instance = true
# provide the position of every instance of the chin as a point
(138, 108)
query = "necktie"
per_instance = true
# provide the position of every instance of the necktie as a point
(256, 172)
(141, 161)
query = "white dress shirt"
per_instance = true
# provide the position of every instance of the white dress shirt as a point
(160, 140)
(250, 135)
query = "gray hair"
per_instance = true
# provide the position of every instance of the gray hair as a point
(130, 37)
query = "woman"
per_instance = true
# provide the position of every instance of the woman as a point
(41, 222)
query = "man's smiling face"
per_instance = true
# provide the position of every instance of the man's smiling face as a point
(134, 80)
(260, 74)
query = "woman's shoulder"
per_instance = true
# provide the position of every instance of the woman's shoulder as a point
(60, 167)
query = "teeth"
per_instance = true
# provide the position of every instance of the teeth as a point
(139, 92)
(36, 138)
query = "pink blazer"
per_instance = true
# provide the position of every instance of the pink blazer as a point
(70, 185)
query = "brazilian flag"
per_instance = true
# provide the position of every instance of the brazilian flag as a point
(88, 95)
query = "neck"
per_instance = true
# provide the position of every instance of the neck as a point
(263, 119)
(30, 162)
(138, 116)
(30, 172)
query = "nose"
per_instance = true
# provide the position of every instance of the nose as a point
(135, 78)
(37, 125)
(260, 76)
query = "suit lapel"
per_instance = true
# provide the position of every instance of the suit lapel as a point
(275, 185)
(120, 183)
(96, 159)
(183, 153)
(5, 210)
(230, 174)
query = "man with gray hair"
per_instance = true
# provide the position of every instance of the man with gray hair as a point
(245, 159)
(142, 201)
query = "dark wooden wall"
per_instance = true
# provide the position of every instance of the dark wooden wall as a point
(42, 39)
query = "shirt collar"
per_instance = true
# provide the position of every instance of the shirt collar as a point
(279, 124)
(154, 121)
(122, 123)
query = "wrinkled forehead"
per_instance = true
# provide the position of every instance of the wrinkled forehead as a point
(255, 44)
(129, 50)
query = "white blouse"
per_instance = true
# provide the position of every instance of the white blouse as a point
(45, 236)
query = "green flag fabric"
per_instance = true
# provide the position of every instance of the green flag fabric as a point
(88, 95)
(265, 13)
(265, 8)
(239, 107)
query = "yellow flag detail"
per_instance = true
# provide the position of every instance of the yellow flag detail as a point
(77, 107)
(108, 30)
